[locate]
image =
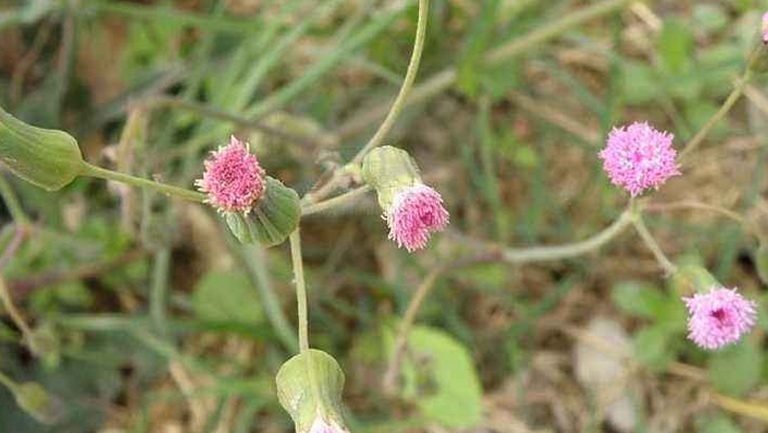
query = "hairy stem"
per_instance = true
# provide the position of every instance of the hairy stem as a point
(169, 190)
(301, 290)
(15, 315)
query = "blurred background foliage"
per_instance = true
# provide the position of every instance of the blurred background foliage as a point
(150, 318)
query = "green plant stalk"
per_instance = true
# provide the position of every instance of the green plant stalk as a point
(730, 101)
(26, 331)
(394, 111)
(8, 382)
(12, 203)
(169, 190)
(256, 261)
(441, 81)
(410, 78)
(335, 202)
(559, 252)
(159, 290)
(650, 242)
(301, 290)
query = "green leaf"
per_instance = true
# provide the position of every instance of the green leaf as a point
(440, 378)
(47, 158)
(675, 45)
(273, 219)
(227, 296)
(640, 83)
(652, 347)
(736, 369)
(761, 263)
(309, 386)
(717, 424)
(638, 298)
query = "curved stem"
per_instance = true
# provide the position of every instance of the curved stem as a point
(396, 359)
(651, 243)
(26, 331)
(8, 382)
(340, 200)
(389, 121)
(410, 77)
(301, 290)
(730, 101)
(169, 190)
(533, 254)
(12, 203)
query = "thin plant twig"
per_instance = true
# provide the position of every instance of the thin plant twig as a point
(394, 111)
(396, 359)
(335, 202)
(301, 290)
(652, 245)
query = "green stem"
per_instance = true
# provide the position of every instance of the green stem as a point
(340, 200)
(159, 290)
(8, 382)
(410, 77)
(394, 110)
(301, 290)
(559, 252)
(441, 81)
(256, 261)
(26, 331)
(652, 245)
(730, 101)
(12, 203)
(169, 190)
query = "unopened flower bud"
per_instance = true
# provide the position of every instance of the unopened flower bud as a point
(309, 387)
(413, 210)
(272, 220)
(47, 158)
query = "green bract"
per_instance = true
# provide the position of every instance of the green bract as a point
(272, 220)
(388, 169)
(47, 158)
(36, 401)
(309, 386)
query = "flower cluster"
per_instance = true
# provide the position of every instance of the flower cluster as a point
(639, 157)
(233, 178)
(719, 317)
(416, 212)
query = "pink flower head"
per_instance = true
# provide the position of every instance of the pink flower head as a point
(639, 157)
(719, 317)
(233, 178)
(765, 28)
(416, 212)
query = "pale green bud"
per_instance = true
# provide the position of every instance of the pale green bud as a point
(309, 387)
(272, 220)
(47, 158)
(388, 170)
(694, 278)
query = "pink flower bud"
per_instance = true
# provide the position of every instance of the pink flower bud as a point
(233, 178)
(765, 28)
(719, 317)
(415, 213)
(639, 157)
